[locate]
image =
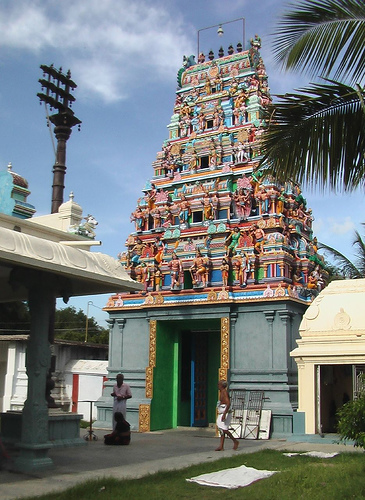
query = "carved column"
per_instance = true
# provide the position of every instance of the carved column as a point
(144, 422)
(116, 345)
(223, 370)
(151, 359)
(269, 315)
(121, 324)
(145, 409)
(282, 269)
(234, 317)
(34, 443)
(42, 290)
(286, 317)
(110, 323)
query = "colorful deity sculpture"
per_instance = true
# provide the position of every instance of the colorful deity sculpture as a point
(199, 270)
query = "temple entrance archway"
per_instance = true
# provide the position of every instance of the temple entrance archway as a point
(186, 373)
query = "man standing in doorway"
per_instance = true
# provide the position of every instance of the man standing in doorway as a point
(121, 392)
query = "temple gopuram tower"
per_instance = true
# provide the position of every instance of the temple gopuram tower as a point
(226, 255)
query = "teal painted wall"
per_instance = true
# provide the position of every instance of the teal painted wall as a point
(6, 186)
(263, 334)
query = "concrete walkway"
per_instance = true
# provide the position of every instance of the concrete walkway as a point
(147, 453)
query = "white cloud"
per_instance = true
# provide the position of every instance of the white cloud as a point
(331, 228)
(341, 226)
(109, 45)
(318, 225)
(23, 26)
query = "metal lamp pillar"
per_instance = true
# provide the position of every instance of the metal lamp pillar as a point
(58, 96)
(62, 134)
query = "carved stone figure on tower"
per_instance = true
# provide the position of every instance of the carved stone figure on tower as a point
(137, 251)
(138, 217)
(175, 271)
(199, 270)
(232, 240)
(258, 235)
(207, 207)
(184, 210)
(225, 271)
(240, 266)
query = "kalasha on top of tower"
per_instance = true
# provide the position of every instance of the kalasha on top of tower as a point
(212, 225)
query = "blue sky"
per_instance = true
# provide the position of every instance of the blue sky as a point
(124, 57)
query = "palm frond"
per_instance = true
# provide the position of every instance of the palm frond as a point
(359, 245)
(347, 268)
(322, 36)
(317, 136)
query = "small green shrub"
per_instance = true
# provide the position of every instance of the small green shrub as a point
(85, 424)
(351, 421)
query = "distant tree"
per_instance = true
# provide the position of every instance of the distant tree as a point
(334, 272)
(14, 317)
(346, 268)
(71, 325)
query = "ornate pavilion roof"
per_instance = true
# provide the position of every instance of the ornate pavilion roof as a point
(80, 272)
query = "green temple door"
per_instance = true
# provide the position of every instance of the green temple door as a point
(199, 381)
(186, 375)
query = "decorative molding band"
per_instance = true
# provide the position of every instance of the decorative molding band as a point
(149, 382)
(144, 418)
(121, 323)
(269, 315)
(91, 271)
(152, 348)
(223, 374)
(223, 370)
(151, 359)
(286, 316)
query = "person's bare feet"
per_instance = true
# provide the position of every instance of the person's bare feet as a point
(218, 449)
(235, 445)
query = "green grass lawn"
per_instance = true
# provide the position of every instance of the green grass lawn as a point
(340, 477)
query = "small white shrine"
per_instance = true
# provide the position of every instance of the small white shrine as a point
(330, 353)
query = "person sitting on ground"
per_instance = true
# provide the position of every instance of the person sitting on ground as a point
(122, 432)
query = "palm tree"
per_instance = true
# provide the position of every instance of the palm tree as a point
(317, 135)
(347, 268)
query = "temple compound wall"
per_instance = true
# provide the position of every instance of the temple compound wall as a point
(226, 256)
